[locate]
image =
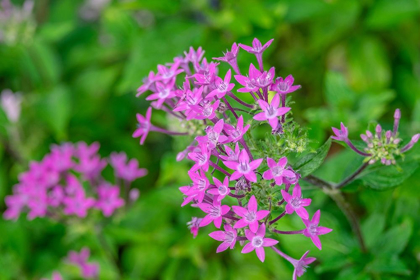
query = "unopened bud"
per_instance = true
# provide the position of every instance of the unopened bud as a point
(134, 194)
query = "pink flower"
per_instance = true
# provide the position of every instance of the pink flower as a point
(244, 167)
(313, 230)
(222, 86)
(214, 212)
(284, 86)
(271, 112)
(232, 155)
(249, 83)
(258, 242)
(78, 204)
(301, 265)
(250, 215)
(129, 171)
(163, 92)
(109, 199)
(341, 134)
(207, 111)
(199, 187)
(148, 84)
(296, 203)
(89, 270)
(213, 137)
(144, 126)
(191, 99)
(277, 171)
(194, 225)
(221, 190)
(201, 158)
(236, 134)
(228, 238)
(166, 74)
(230, 57)
(257, 49)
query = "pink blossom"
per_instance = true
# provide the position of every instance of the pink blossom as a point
(214, 212)
(206, 111)
(127, 171)
(89, 270)
(194, 225)
(284, 86)
(232, 155)
(250, 215)
(277, 171)
(221, 190)
(108, 199)
(295, 202)
(213, 137)
(78, 204)
(243, 167)
(144, 125)
(222, 86)
(313, 230)
(236, 134)
(228, 238)
(201, 158)
(163, 92)
(271, 112)
(258, 242)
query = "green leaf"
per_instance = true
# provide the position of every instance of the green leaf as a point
(372, 228)
(388, 13)
(394, 240)
(55, 110)
(387, 264)
(309, 163)
(337, 92)
(385, 177)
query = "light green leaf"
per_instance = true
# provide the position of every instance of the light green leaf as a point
(394, 240)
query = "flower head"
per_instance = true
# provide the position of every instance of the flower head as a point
(244, 167)
(284, 86)
(340, 134)
(127, 171)
(144, 125)
(250, 215)
(194, 225)
(108, 199)
(271, 112)
(277, 171)
(228, 238)
(258, 242)
(313, 230)
(201, 158)
(236, 133)
(295, 202)
(214, 212)
(221, 190)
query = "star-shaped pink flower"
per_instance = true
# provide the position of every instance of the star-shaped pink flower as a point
(258, 242)
(235, 134)
(144, 125)
(250, 215)
(284, 86)
(221, 190)
(201, 158)
(277, 171)
(214, 212)
(228, 238)
(295, 202)
(271, 112)
(313, 230)
(243, 167)
(222, 86)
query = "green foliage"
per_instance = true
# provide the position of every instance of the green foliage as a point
(309, 163)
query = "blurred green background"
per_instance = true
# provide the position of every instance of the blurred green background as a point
(78, 65)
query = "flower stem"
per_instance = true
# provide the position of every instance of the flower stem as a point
(212, 164)
(349, 179)
(230, 94)
(288, 232)
(162, 130)
(278, 218)
(230, 107)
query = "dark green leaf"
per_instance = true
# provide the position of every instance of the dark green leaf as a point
(311, 162)
(394, 240)
(372, 228)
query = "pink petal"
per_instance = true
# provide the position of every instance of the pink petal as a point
(289, 209)
(316, 216)
(218, 222)
(302, 213)
(240, 211)
(261, 230)
(273, 122)
(240, 224)
(251, 176)
(268, 242)
(288, 174)
(275, 102)
(262, 104)
(260, 253)
(262, 214)
(323, 230)
(268, 175)
(218, 235)
(260, 117)
(305, 201)
(283, 162)
(249, 234)
(286, 196)
(316, 241)
(245, 47)
(205, 221)
(243, 156)
(252, 204)
(235, 176)
(255, 163)
(231, 164)
(228, 77)
(283, 110)
(297, 192)
(222, 247)
(271, 162)
(253, 226)
(247, 248)
(225, 209)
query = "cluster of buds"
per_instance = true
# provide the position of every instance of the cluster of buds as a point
(68, 181)
(244, 195)
(382, 146)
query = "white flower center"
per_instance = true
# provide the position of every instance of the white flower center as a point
(257, 241)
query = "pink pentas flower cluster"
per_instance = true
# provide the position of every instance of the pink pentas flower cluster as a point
(89, 270)
(68, 182)
(238, 191)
